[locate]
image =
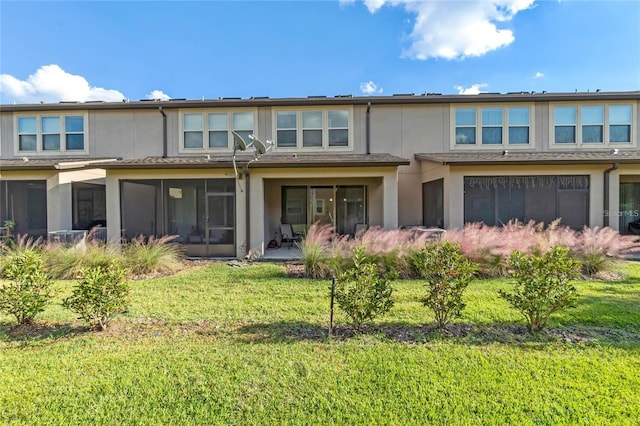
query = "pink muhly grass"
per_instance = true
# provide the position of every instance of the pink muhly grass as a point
(476, 240)
(319, 234)
(605, 241)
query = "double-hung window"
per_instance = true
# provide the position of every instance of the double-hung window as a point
(51, 133)
(315, 129)
(211, 130)
(597, 124)
(286, 134)
(311, 128)
(465, 126)
(518, 125)
(565, 124)
(619, 123)
(27, 134)
(592, 124)
(491, 126)
(338, 124)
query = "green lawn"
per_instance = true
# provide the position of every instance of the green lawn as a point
(224, 345)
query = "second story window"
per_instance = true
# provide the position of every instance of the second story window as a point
(311, 128)
(518, 125)
(317, 129)
(565, 124)
(338, 123)
(211, 130)
(592, 124)
(27, 134)
(492, 125)
(620, 123)
(51, 133)
(74, 132)
(286, 134)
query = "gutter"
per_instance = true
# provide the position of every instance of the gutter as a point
(164, 132)
(613, 167)
(368, 128)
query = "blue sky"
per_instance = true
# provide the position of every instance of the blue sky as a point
(52, 51)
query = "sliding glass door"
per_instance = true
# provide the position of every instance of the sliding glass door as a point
(629, 207)
(341, 206)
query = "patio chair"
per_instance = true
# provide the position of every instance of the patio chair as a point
(360, 229)
(287, 235)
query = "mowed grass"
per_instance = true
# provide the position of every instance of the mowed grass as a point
(249, 346)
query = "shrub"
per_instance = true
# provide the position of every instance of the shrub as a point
(361, 292)
(542, 285)
(448, 274)
(29, 290)
(100, 294)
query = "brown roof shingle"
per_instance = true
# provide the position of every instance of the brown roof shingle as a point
(511, 157)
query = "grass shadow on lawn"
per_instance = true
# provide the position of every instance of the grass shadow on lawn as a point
(282, 332)
(39, 332)
(503, 333)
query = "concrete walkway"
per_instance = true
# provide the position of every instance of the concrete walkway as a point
(283, 253)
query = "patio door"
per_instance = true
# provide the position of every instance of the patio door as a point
(340, 206)
(221, 219)
(322, 205)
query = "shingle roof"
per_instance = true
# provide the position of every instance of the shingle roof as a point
(51, 163)
(410, 98)
(268, 161)
(511, 157)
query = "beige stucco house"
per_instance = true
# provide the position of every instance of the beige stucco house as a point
(169, 167)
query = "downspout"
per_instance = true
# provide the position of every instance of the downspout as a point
(368, 128)
(164, 132)
(606, 192)
(248, 210)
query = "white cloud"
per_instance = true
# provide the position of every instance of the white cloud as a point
(50, 83)
(474, 89)
(538, 75)
(158, 94)
(370, 88)
(456, 29)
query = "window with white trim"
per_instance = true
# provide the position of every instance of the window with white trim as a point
(315, 129)
(210, 130)
(592, 124)
(620, 123)
(48, 133)
(492, 125)
(565, 124)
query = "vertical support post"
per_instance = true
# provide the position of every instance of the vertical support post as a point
(333, 295)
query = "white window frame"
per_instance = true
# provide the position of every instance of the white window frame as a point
(204, 113)
(325, 129)
(40, 151)
(606, 126)
(478, 145)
